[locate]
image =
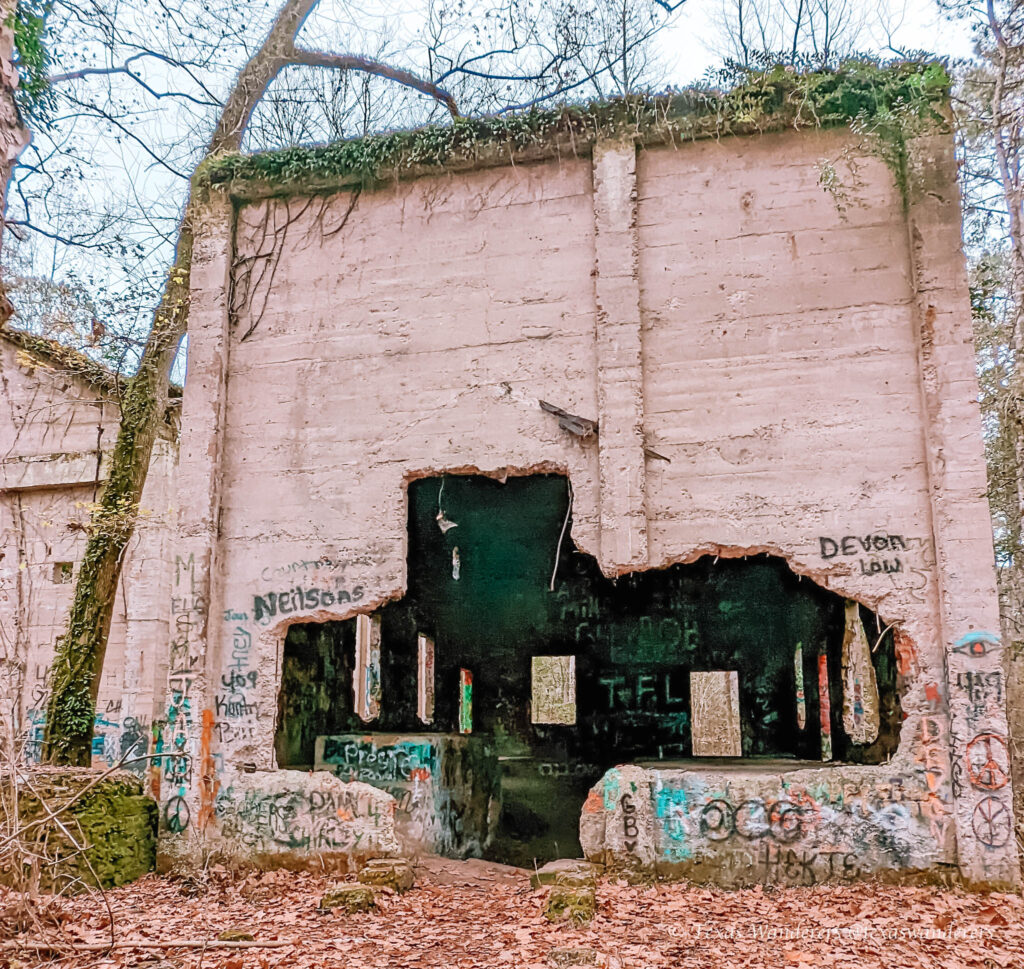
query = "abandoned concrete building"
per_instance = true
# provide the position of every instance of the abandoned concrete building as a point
(57, 431)
(624, 501)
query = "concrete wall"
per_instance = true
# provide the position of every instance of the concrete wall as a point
(446, 787)
(806, 371)
(57, 431)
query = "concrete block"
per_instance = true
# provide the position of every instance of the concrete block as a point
(394, 873)
(583, 957)
(349, 899)
(566, 904)
(566, 872)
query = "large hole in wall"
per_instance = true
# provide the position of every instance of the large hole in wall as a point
(481, 557)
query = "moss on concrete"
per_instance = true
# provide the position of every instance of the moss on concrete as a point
(349, 899)
(393, 873)
(880, 100)
(114, 820)
(578, 905)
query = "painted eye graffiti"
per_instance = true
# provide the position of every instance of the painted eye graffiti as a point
(976, 645)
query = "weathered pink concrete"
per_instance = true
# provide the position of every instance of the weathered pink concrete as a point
(57, 430)
(807, 372)
(769, 373)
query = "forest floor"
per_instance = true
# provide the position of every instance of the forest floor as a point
(471, 915)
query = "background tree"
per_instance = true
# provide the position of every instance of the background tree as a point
(810, 33)
(989, 108)
(21, 27)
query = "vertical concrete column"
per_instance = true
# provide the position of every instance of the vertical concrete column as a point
(619, 360)
(185, 790)
(962, 527)
(145, 585)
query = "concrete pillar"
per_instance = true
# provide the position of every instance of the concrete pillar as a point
(619, 361)
(144, 587)
(185, 790)
(968, 599)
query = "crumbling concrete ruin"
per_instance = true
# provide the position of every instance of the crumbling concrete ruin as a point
(626, 502)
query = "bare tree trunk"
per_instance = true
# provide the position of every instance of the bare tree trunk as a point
(80, 652)
(13, 134)
(1007, 131)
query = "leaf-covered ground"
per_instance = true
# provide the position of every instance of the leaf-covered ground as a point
(463, 915)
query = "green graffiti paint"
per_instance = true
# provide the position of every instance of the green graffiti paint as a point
(465, 701)
(801, 699)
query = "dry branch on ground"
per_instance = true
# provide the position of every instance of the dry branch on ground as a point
(473, 915)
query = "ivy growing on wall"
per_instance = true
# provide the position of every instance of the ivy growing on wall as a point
(33, 59)
(879, 101)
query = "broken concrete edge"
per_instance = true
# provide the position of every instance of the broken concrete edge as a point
(742, 827)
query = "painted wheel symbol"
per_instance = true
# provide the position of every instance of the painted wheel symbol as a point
(177, 814)
(787, 821)
(991, 822)
(716, 820)
(752, 820)
(988, 762)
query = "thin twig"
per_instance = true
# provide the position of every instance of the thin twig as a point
(88, 787)
(561, 537)
(169, 944)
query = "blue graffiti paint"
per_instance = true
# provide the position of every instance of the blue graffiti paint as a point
(976, 644)
(671, 805)
(612, 786)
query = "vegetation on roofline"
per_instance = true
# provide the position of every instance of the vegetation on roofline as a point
(875, 98)
(53, 354)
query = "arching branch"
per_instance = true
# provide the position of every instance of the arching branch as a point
(280, 51)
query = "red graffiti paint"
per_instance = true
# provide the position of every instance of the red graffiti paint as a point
(825, 707)
(932, 695)
(906, 653)
(208, 783)
(988, 762)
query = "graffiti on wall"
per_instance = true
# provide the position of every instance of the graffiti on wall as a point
(909, 560)
(296, 819)
(174, 740)
(299, 599)
(984, 769)
(748, 829)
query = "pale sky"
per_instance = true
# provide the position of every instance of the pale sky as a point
(122, 176)
(690, 45)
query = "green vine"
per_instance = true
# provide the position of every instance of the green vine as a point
(878, 100)
(32, 58)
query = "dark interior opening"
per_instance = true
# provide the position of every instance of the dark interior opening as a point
(635, 641)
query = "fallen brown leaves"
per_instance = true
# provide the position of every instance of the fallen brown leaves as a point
(467, 918)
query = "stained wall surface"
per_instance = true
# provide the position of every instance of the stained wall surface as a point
(770, 372)
(57, 430)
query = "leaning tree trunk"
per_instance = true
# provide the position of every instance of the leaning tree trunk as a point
(78, 662)
(13, 134)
